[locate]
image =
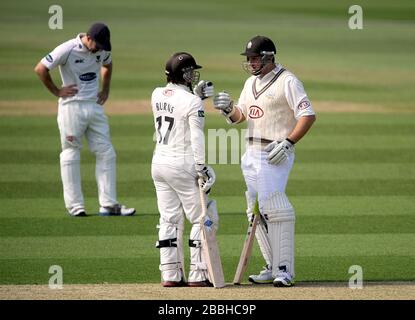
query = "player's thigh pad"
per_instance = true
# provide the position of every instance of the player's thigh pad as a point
(281, 220)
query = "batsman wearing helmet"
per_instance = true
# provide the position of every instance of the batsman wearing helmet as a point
(178, 162)
(279, 113)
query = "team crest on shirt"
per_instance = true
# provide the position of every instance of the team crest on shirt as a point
(168, 92)
(303, 105)
(200, 113)
(255, 112)
(98, 58)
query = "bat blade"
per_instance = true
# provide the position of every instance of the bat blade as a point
(210, 252)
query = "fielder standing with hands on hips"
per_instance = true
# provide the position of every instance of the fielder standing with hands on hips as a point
(178, 162)
(279, 113)
(81, 62)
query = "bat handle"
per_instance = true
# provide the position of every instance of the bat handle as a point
(202, 200)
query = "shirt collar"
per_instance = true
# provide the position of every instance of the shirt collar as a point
(79, 45)
(178, 86)
(270, 74)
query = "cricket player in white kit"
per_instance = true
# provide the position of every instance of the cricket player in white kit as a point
(81, 62)
(279, 113)
(178, 162)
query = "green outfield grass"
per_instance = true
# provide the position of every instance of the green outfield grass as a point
(352, 187)
(353, 183)
(374, 65)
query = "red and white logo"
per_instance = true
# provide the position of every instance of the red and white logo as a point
(255, 112)
(168, 92)
(304, 105)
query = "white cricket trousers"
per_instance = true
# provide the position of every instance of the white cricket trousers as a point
(178, 197)
(261, 178)
(77, 119)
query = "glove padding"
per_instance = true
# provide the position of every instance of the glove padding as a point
(204, 89)
(279, 151)
(222, 101)
(207, 178)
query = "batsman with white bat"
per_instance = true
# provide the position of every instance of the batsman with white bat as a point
(178, 162)
(279, 113)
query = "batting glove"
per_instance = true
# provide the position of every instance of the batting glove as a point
(222, 101)
(279, 151)
(204, 89)
(207, 177)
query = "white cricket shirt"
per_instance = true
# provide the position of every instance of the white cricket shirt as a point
(273, 104)
(77, 65)
(179, 121)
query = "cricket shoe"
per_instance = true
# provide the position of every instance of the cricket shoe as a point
(205, 283)
(77, 212)
(116, 210)
(283, 279)
(170, 284)
(264, 277)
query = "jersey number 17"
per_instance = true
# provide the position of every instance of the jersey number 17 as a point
(166, 135)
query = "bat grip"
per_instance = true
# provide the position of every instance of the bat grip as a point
(202, 200)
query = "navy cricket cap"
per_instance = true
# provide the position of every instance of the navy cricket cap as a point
(100, 33)
(259, 45)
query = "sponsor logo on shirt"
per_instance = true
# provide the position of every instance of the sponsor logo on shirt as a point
(255, 112)
(79, 60)
(89, 76)
(201, 113)
(303, 105)
(168, 92)
(49, 58)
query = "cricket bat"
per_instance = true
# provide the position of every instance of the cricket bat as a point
(248, 245)
(210, 249)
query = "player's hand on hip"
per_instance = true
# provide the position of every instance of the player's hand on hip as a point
(278, 152)
(207, 177)
(222, 101)
(68, 91)
(102, 97)
(204, 89)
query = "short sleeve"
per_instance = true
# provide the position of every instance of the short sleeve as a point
(107, 58)
(297, 98)
(58, 56)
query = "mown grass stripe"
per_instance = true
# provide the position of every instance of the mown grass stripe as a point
(144, 154)
(230, 223)
(133, 171)
(310, 245)
(145, 269)
(234, 205)
(365, 187)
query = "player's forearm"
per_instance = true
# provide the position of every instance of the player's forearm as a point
(106, 73)
(301, 128)
(237, 115)
(44, 76)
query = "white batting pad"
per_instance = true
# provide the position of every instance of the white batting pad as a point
(281, 221)
(198, 267)
(212, 212)
(261, 232)
(171, 258)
